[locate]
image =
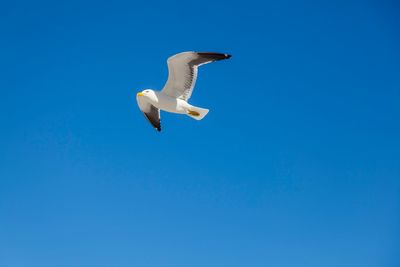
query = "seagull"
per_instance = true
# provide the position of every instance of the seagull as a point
(182, 74)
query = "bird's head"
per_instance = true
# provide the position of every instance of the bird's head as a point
(147, 93)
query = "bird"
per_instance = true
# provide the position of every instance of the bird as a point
(174, 96)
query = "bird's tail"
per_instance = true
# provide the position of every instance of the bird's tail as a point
(197, 113)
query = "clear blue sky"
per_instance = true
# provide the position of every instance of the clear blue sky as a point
(297, 163)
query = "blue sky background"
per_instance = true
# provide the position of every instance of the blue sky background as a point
(297, 163)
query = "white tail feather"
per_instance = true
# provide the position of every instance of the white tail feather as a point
(197, 113)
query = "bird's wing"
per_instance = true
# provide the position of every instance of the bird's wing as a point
(151, 113)
(182, 70)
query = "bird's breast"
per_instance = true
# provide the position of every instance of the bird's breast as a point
(170, 104)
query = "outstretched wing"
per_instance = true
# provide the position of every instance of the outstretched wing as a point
(151, 113)
(182, 72)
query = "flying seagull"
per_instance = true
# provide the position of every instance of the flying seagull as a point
(173, 97)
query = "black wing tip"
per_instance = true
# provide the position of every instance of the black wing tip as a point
(216, 56)
(158, 129)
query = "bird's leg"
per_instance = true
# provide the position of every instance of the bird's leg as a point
(193, 113)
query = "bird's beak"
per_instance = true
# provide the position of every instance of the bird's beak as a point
(140, 94)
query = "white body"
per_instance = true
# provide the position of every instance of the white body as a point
(167, 103)
(170, 104)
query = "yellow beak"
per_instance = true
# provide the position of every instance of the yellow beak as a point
(140, 94)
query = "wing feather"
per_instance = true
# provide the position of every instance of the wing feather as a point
(182, 72)
(151, 113)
